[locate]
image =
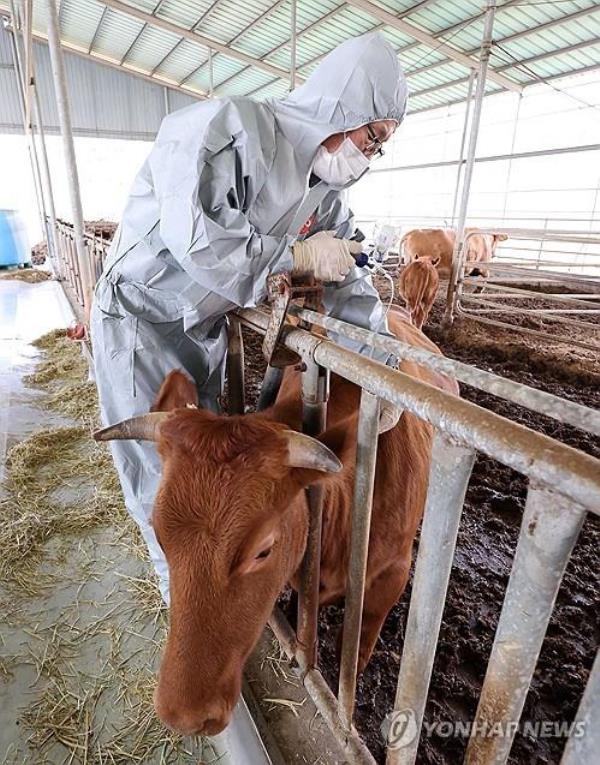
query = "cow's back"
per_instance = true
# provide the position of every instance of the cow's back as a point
(433, 243)
(402, 467)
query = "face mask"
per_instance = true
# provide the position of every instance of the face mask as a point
(345, 164)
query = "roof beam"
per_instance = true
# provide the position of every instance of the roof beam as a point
(513, 65)
(241, 33)
(160, 81)
(548, 54)
(97, 30)
(428, 39)
(133, 43)
(508, 38)
(187, 34)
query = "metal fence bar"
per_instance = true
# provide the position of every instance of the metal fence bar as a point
(488, 306)
(362, 505)
(315, 392)
(270, 388)
(533, 332)
(451, 466)
(235, 367)
(549, 530)
(584, 742)
(319, 691)
(545, 403)
(543, 459)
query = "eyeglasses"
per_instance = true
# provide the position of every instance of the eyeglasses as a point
(375, 147)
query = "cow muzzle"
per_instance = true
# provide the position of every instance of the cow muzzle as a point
(207, 720)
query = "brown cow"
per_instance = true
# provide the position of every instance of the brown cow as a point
(439, 243)
(418, 286)
(231, 517)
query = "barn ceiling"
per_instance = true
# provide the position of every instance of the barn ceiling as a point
(234, 47)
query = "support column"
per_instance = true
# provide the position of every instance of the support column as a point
(30, 90)
(64, 114)
(462, 143)
(455, 283)
(211, 76)
(33, 158)
(293, 39)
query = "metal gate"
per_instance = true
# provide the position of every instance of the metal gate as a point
(564, 484)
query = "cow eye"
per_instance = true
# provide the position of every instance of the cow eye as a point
(264, 553)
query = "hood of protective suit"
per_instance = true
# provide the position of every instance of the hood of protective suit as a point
(361, 81)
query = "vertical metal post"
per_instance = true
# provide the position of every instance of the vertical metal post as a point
(235, 366)
(211, 81)
(451, 467)
(455, 281)
(315, 392)
(166, 96)
(53, 238)
(462, 143)
(512, 151)
(31, 147)
(270, 388)
(49, 225)
(27, 32)
(549, 530)
(64, 114)
(362, 505)
(293, 42)
(584, 742)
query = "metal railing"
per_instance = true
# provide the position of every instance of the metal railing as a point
(563, 485)
(566, 258)
(95, 249)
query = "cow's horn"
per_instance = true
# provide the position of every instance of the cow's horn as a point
(307, 452)
(389, 415)
(144, 427)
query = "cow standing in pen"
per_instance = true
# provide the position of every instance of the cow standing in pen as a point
(439, 243)
(418, 286)
(231, 517)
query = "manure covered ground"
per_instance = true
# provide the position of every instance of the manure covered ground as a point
(486, 543)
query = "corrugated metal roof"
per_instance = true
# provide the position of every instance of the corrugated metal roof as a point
(533, 39)
(105, 102)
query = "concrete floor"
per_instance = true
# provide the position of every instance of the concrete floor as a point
(90, 582)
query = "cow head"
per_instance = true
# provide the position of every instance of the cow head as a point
(230, 517)
(496, 239)
(433, 260)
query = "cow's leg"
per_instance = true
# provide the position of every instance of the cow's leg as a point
(380, 597)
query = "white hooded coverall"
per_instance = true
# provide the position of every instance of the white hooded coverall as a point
(213, 212)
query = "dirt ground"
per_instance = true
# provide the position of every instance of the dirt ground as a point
(485, 548)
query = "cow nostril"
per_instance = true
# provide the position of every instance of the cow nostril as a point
(190, 722)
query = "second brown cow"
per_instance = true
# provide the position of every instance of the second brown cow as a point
(439, 243)
(418, 286)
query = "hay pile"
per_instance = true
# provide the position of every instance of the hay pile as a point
(62, 373)
(64, 529)
(29, 275)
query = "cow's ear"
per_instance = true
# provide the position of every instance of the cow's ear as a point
(435, 261)
(178, 391)
(500, 237)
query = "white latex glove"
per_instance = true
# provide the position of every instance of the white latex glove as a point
(327, 257)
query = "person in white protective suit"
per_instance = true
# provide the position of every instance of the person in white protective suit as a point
(235, 190)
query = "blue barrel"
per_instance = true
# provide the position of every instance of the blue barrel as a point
(13, 240)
